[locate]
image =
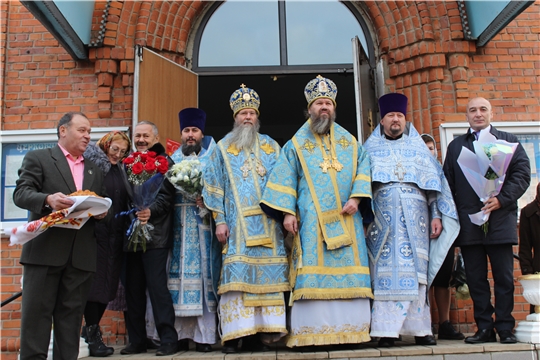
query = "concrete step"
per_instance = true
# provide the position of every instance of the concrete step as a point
(404, 350)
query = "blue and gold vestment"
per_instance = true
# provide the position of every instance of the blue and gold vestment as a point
(254, 258)
(314, 177)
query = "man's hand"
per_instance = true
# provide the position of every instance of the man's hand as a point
(144, 216)
(490, 205)
(436, 228)
(222, 233)
(290, 223)
(351, 206)
(58, 201)
(199, 202)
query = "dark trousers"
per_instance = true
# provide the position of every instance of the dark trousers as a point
(501, 259)
(148, 270)
(53, 294)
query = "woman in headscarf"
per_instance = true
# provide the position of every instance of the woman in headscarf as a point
(107, 154)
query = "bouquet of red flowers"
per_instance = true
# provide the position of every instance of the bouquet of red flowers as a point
(145, 172)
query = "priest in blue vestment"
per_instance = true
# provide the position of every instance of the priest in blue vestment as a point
(415, 224)
(255, 270)
(321, 177)
(191, 269)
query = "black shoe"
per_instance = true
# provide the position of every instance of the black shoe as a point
(167, 349)
(152, 344)
(133, 349)
(386, 342)
(203, 347)
(506, 337)
(230, 347)
(96, 346)
(481, 336)
(447, 331)
(425, 340)
(183, 345)
(253, 343)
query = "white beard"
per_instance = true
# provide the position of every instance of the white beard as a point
(244, 136)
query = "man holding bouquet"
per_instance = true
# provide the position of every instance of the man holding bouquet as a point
(495, 238)
(255, 269)
(146, 268)
(190, 269)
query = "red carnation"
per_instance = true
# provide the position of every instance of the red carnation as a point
(163, 167)
(151, 154)
(129, 160)
(150, 167)
(137, 168)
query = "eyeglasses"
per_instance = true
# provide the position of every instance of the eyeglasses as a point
(116, 150)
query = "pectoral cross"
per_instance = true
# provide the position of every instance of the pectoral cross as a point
(245, 169)
(325, 165)
(399, 171)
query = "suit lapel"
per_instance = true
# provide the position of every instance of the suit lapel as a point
(89, 174)
(64, 170)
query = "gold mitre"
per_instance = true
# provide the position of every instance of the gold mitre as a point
(320, 87)
(244, 98)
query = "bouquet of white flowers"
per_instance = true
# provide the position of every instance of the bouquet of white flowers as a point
(186, 177)
(485, 170)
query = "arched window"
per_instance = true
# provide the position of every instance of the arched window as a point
(278, 35)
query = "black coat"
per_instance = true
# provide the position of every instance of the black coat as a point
(161, 211)
(529, 238)
(109, 234)
(502, 222)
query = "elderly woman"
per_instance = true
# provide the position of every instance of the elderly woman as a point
(107, 154)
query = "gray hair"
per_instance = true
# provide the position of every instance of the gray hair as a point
(146, 122)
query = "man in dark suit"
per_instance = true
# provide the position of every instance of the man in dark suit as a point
(59, 263)
(147, 269)
(477, 245)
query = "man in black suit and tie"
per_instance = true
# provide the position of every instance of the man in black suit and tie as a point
(58, 264)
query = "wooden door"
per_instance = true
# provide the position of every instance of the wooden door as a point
(162, 90)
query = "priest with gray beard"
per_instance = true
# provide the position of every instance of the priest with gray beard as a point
(316, 186)
(255, 270)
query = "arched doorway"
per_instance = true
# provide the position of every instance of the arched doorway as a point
(276, 47)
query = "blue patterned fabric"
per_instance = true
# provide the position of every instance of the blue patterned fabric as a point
(402, 223)
(190, 266)
(254, 258)
(298, 186)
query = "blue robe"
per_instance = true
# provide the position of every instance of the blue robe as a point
(192, 266)
(329, 256)
(400, 250)
(254, 257)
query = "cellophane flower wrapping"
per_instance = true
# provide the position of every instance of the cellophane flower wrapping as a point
(145, 172)
(186, 177)
(485, 169)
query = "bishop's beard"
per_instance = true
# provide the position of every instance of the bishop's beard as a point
(321, 124)
(244, 135)
(190, 149)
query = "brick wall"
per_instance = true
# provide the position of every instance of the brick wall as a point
(421, 43)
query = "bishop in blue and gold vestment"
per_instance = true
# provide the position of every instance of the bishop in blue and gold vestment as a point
(415, 224)
(321, 176)
(255, 270)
